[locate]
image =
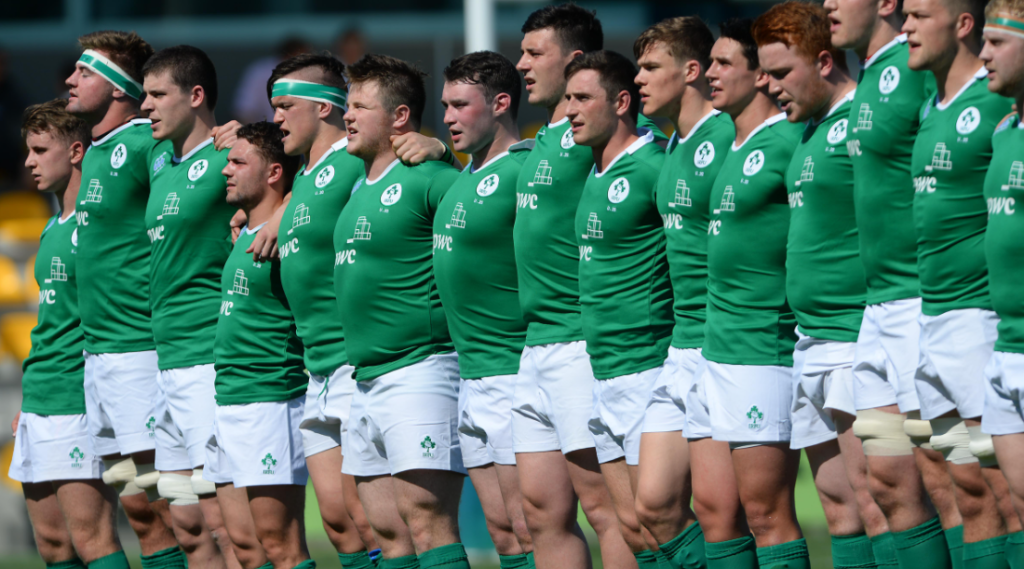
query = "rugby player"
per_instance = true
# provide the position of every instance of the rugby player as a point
(951, 153)
(187, 224)
(120, 356)
(673, 56)
(474, 264)
(403, 446)
(1003, 55)
(260, 385)
(71, 510)
(824, 275)
(749, 334)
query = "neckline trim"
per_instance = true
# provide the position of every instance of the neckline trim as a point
(767, 123)
(902, 38)
(192, 152)
(632, 148)
(387, 170)
(979, 74)
(336, 147)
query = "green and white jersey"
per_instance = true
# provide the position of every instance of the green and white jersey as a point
(384, 270)
(53, 378)
(749, 321)
(259, 354)
(824, 274)
(1004, 248)
(951, 155)
(625, 290)
(684, 190)
(475, 266)
(188, 223)
(114, 249)
(884, 120)
(306, 249)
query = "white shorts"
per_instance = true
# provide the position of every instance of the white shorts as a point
(618, 416)
(259, 444)
(822, 382)
(698, 416)
(184, 418)
(888, 350)
(121, 401)
(666, 410)
(1004, 391)
(216, 469)
(955, 348)
(407, 419)
(554, 399)
(750, 404)
(485, 420)
(53, 447)
(328, 401)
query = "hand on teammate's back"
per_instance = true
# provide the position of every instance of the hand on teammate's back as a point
(238, 221)
(225, 135)
(264, 246)
(414, 148)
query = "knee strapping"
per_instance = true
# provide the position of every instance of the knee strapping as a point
(951, 438)
(177, 489)
(201, 486)
(147, 478)
(920, 432)
(981, 446)
(882, 433)
(119, 474)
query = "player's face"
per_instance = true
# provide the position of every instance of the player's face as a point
(1003, 55)
(662, 82)
(298, 119)
(794, 81)
(931, 34)
(49, 161)
(88, 91)
(370, 125)
(169, 107)
(853, 22)
(590, 113)
(469, 117)
(733, 83)
(245, 173)
(543, 67)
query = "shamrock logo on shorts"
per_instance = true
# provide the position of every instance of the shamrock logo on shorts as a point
(269, 462)
(756, 418)
(151, 426)
(76, 455)
(428, 445)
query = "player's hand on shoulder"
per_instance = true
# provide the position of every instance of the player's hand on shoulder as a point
(264, 245)
(237, 223)
(225, 135)
(414, 148)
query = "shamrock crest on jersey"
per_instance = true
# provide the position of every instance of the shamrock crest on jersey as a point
(458, 220)
(159, 163)
(241, 283)
(889, 80)
(170, 205)
(197, 169)
(704, 155)
(593, 228)
(118, 156)
(57, 272)
(968, 120)
(837, 133)
(324, 176)
(754, 162)
(487, 186)
(618, 191)
(567, 140)
(391, 195)
(1016, 181)
(94, 193)
(682, 197)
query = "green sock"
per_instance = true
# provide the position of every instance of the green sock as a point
(955, 542)
(116, 560)
(646, 559)
(852, 552)
(923, 546)
(740, 553)
(73, 563)
(404, 562)
(1015, 550)
(987, 554)
(307, 564)
(170, 558)
(531, 563)
(451, 556)
(789, 555)
(686, 549)
(521, 561)
(885, 551)
(358, 560)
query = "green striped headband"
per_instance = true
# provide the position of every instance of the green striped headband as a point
(111, 72)
(310, 91)
(1006, 24)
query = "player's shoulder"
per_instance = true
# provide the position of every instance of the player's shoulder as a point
(1007, 126)
(781, 131)
(520, 151)
(648, 159)
(140, 134)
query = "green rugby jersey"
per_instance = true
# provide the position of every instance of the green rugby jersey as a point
(114, 249)
(625, 290)
(188, 223)
(951, 155)
(749, 321)
(1004, 248)
(53, 378)
(475, 266)
(885, 117)
(824, 274)
(384, 270)
(259, 354)
(306, 249)
(684, 188)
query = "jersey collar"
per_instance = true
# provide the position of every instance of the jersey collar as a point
(248, 231)
(637, 145)
(473, 170)
(771, 120)
(902, 38)
(114, 132)
(978, 75)
(696, 127)
(192, 152)
(559, 122)
(381, 177)
(336, 147)
(846, 98)
(65, 220)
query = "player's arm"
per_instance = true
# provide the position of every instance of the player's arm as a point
(225, 135)
(414, 148)
(264, 245)
(439, 186)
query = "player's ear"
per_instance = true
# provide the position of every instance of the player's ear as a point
(622, 102)
(965, 25)
(762, 79)
(691, 71)
(403, 117)
(324, 110)
(76, 152)
(274, 173)
(501, 104)
(197, 97)
(887, 8)
(825, 63)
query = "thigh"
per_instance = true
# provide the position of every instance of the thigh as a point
(545, 483)
(325, 472)
(488, 488)
(87, 504)
(234, 509)
(434, 492)
(765, 473)
(664, 470)
(377, 495)
(617, 481)
(276, 507)
(44, 510)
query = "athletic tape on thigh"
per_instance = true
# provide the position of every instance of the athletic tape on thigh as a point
(177, 489)
(951, 438)
(882, 433)
(111, 72)
(981, 446)
(200, 485)
(120, 474)
(147, 479)
(920, 432)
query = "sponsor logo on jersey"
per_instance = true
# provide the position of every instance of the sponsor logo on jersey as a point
(593, 228)
(728, 201)
(362, 232)
(704, 155)
(160, 162)
(682, 197)
(567, 140)
(837, 133)
(324, 176)
(543, 175)
(458, 220)
(925, 184)
(889, 80)
(526, 200)
(269, 463)
(93, 193)
(487, 186)
(585, 252)
(672, 220)
(300, 218)
(968, 120)
(155, 233)
(240, 285)
(755, 419)
(428, 446)
(118, 156)
(76, 455)
(1004, 206)
(170, 205)
(618, 191)
(197, 169)
(58, 271)
(1016, 181)
(391, 195)
(754, 162)
(807, 174)
(941, 159)
(442, 242)
(864, 115)
(796, 199)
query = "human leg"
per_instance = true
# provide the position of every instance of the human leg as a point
(277, 511)
(89, 508)
(549, 507)
(325, 471)
(240, 526)
(377, 495)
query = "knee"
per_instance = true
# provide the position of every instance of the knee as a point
(53, 543)
(762, 515)
(542, 518)
(654, 508)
